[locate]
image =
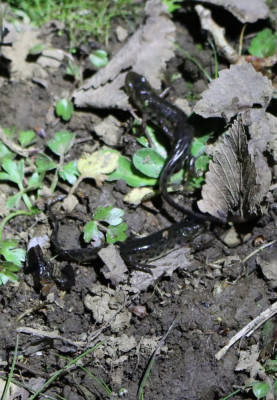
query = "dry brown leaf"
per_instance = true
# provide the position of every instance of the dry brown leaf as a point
(262, 128)
(231, 191)
(236, 90)
(147, 52)
(244, 11)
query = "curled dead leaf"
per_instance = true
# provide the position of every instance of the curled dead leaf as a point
(231, 191)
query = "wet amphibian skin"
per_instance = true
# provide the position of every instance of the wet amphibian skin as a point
(135, 252)
(171, 120)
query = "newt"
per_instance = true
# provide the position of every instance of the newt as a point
(172, 121)
(136, 253)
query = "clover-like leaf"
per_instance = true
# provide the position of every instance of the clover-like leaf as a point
(264, 44)
(26, 138)
(109, 214)
(92, 233)
(9, 250)
(44, 163)
(69, 172)
(116, 233)
(14, 171)
(5, 152)
(7, 270)
(61, 143)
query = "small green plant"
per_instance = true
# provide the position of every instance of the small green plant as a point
(11, 259)
(114, 227)
(172, 5)
(99, 58)
(83, 19)
(14, 172)
(64, 109)
(264, 44)
(59, 145)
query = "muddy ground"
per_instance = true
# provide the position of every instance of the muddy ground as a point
(212, 302)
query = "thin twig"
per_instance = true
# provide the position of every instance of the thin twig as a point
(248, 329)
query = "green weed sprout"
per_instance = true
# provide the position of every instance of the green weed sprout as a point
(59, 145)
(64, 109)
(10, 261)
(114, 227)
(83, 20)
(15, 172)
(172, 5)
(264, 44)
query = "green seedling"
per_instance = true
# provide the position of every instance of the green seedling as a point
(201, 164)
(14, 172)
(60, 145)
(172, 5)
(11, 259)
(64, 109)
(82, 20)
(5, 152)
(26, 138)
(99, 58)
(264, 44)
(74, 71)
(109, 219)
(260, 389)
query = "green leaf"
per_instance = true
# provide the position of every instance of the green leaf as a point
(13, 201)
(275, 387)
(36, 50)
(260, 389)
(26, 138)
(35, 181)
(61, 143)
(15, 170)
(202, 162)
(5, 152)
(264, 44)
(198, 146)
(108, 214)
(116, 233)
(149, 162)
(44, 163)
(91, 231)
(99, 58)
(64, 109)
(171, 5)
(7, 270)
(126, 172)
(160, 148)
(69, 172)
(11, 253)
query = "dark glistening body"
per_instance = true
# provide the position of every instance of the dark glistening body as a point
(173, 123)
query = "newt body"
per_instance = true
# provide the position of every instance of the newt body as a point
(136, 253)
(173, 123)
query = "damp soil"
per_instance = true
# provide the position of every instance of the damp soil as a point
(212, 302)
